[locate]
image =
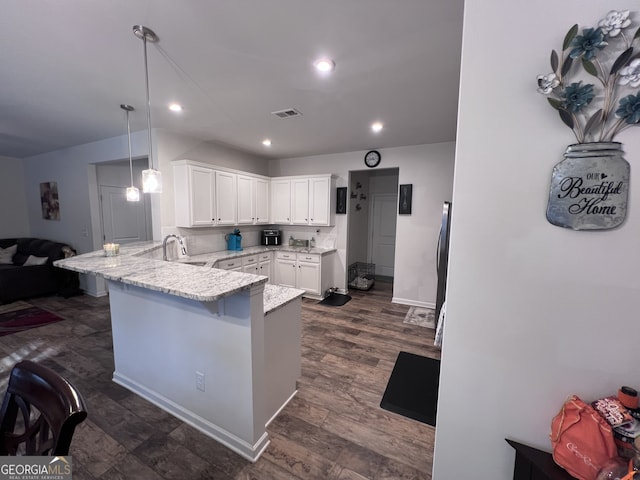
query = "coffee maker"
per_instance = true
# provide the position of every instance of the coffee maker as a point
(271, 237)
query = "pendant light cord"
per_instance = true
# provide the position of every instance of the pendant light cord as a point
(146, 73)
(129, 137)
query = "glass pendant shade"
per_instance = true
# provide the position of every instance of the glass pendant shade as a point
(133, 194)
(151, 181)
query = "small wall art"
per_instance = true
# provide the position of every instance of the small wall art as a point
(49, 201)
(404, 203)
(341, 200)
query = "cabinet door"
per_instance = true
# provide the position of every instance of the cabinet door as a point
(300, 201)
(261, 200)
(280, 201)
(226, 198)
(319, 201)
(308, 277)
(264, 268)
(201, 196)
(246, 200)
(253, 268)
(285, 273)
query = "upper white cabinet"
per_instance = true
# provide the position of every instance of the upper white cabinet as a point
(225, 198)
(280, 200)
(262, 200)
(303, 200)
(300, 201)
(206, 197)
(253, 200)
(194, 195)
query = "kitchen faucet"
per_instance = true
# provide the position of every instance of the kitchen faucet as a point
(183, 247)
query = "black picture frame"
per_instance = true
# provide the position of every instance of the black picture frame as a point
(404, 199)
(341, 200)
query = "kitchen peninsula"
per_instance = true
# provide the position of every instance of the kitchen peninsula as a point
(218, 349)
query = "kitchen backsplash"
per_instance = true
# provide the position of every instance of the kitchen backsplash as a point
(209, 240)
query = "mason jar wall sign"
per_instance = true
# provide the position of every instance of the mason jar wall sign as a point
(589, 188)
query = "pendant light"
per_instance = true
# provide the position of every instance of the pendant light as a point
(133, 194)
(151, 178)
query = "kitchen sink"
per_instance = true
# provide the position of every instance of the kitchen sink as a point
(199, 264)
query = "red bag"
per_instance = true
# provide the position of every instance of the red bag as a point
(582, 440)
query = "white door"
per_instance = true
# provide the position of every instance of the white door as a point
(202, 196)
(383, 233)
(122, 221)
(226, 198)
(246, 200)
(319, 201)
(262, 200)
(300, 201)
(308, 277)
(281, 201)
(285, 273)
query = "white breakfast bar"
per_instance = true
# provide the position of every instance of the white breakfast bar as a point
(219, 350)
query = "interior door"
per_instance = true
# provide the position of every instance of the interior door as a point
(122, 221)
(383, 233)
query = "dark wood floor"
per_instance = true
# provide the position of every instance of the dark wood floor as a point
(332, 429)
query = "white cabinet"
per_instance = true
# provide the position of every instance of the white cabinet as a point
(234, 265)
(321, 204)
(280, 201)
(194, 195)
(262, 200)
(284, 269)
(300, 201)
(253, 200)
(303, 200)
(306, 271)
(225, 198)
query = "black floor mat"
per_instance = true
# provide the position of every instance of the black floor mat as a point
(335, 299)
(412, 390)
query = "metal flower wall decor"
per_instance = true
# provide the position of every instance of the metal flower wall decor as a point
(592, 81)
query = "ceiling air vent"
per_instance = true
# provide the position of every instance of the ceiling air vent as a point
(287, 113)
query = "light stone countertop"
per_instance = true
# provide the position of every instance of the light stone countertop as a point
(211, 258)
(138, 264)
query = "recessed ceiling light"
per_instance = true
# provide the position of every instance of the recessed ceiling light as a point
(376, 127)
(324, 65)
(266, 142)
(175, 107)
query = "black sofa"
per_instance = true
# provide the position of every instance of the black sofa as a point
(21, 282)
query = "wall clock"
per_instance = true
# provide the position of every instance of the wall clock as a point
(372, 158)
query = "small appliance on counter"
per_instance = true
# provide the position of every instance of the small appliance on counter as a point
(271, 237)
(234, 240)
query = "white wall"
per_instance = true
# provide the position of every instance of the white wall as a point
(534, 312)
(14, 221)
(430, 169)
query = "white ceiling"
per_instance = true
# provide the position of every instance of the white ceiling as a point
(68, 65)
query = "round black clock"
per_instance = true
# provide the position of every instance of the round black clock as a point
(372, 158)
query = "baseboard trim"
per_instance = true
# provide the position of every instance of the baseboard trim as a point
(413, 303)
(241, 447)
(280, 409)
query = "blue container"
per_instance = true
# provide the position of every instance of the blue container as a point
(234, 240)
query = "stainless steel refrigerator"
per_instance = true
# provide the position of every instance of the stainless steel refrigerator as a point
(442, 256)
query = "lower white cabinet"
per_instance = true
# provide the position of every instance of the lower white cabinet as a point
(306, 271)
(310, 272)
(234, 265)
(259, 264)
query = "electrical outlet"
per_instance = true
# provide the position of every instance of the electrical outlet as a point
(200, 381)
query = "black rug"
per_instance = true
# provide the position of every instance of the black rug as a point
(335, 299)
(412, 390)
